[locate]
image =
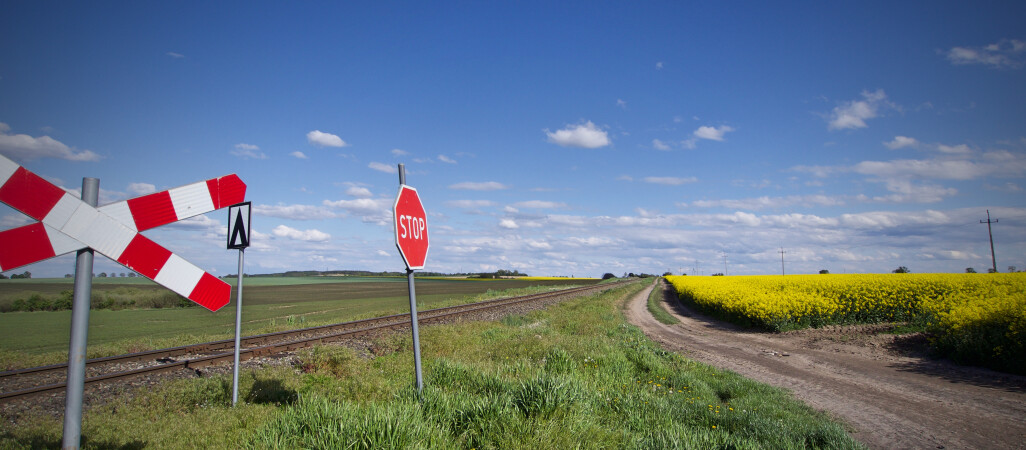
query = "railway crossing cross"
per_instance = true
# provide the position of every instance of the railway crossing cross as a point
(66, 224)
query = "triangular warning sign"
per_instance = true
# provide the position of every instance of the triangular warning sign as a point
(238, 226)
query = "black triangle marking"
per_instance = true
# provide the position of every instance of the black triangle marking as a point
(239, 231)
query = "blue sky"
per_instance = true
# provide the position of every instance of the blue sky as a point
(572, 139)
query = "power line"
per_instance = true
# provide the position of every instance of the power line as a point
(993, 260)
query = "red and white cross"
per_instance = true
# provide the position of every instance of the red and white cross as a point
(67, 224)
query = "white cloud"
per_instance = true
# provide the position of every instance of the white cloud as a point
(141, 188)
(539, 204)
(358, 191)
(659, 145)
(23, 147)
(446, 159)
(905, 191)
(175, 55)
(466, 204)
(765, 202)
(621, 103)
(712, 133)
(585, 135)
(901, 142)
(920, 168)
(960, 149)
(294, 212)
(370, 210)
(659, 65)
(508, 223)
(398, 152)
(298, 154)
(382, 167)
(310, 235)
(624, 178)
(670, 181)
(854, 114)
(251, 151)
(322, 139)
(689, 143)
(479, 186)
(1004, 53)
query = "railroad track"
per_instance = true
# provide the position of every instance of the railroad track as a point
(23, 383)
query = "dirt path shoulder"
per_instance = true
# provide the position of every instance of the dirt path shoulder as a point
(890, 397)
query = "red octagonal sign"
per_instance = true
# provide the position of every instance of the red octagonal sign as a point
(411, 234)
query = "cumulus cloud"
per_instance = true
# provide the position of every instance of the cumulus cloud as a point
(621, 103)
(446, 159)
(248, 151)
(298, 154)
(854, 114)
(479, 186)
(294, 212)
(382, 167)
(466, 204)
(766, 202)
(960, 149)
(1004, 53)
(901, 142)
(141, 188)
(659, 145)
(508, 224)
(310, 235)
(23, 147)
(670, 181)
(712, 133)
(359, 191)
(585, 135)
(370, 210)
(539, 204)
(322, 139)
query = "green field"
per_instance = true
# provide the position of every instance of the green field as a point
(575, 375)
(269, 304)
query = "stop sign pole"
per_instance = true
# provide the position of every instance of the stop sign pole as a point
(412, 240)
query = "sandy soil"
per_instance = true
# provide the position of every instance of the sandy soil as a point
(883, 386)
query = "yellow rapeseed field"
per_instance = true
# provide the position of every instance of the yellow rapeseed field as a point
(978, 318)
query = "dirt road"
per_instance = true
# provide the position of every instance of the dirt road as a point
(890, 396)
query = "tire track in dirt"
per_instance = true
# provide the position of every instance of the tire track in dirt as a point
(889, 400)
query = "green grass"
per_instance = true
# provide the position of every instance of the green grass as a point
(655, 305)
(39, 338)
(574, 375)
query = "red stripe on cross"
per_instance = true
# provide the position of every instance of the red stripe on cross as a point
(144, 256)
(154, 210)
(30, 194)
(210, 292)
(226, 191)
(24, 245)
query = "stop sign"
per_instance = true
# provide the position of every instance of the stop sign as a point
(411, 234)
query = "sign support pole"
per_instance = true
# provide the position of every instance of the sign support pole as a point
(413, 309)
(238, 330)
(72, 438)
(238, 238)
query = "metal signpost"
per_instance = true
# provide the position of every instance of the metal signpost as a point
(411, 237)
(238, 238)
(66, 223)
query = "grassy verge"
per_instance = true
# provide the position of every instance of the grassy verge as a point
(574, 375)
(655, 305)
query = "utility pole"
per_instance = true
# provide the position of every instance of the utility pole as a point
(782, 260)
(724, 264)
(993, 260)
